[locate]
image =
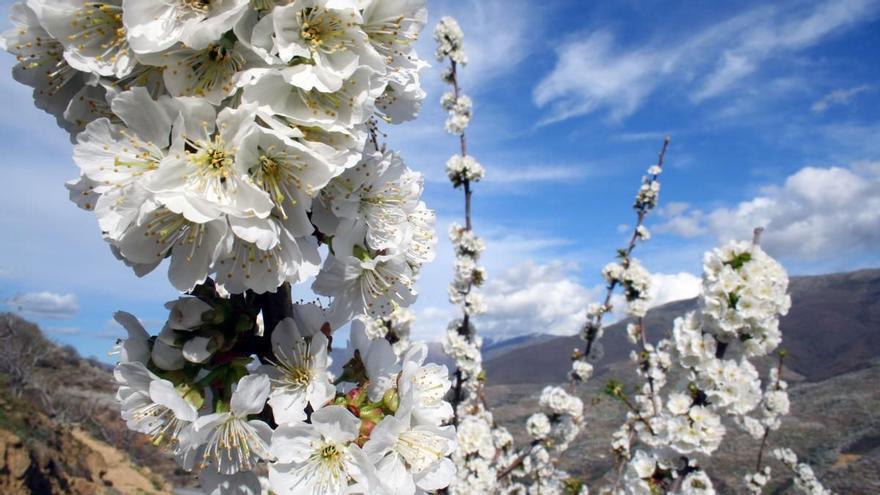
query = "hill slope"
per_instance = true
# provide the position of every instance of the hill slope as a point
(60, 430)
(833, 327)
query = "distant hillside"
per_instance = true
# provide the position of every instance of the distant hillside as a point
(833, 327)
(60, 430)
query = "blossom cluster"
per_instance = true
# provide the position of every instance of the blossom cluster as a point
(235, 138)
(231, 137)
(552, 430)
(461, 169)
(395, 328)
(450, 41)
(483, 450)
(741, 288)
(627, 273)
(804, 477)
(668, 432)
(376, 428)
(635, 281)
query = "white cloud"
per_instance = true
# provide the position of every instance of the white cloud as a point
(45, 305)
(668, 287)
(838, 97)
(816, 213)
(546, 298)
(533, 299)
(680, 219)
(590, 73)
(504, 249)
(534, 173)
(595, 73)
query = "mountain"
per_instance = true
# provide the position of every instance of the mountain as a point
(833, 327)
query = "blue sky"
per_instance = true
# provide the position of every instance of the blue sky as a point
(773, 112)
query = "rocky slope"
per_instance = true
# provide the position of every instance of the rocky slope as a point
(60, 431)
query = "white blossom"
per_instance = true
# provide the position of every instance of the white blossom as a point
(232, 442)
(321, 457)
(298, 374)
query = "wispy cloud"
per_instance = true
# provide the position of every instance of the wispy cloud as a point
(48, 305)
(67, 331)
(595, 73)
(536, 173)
(838, 97)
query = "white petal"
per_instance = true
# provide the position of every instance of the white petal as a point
(336, 423)
(166, 357)
(197, 349)
(438, 476)
(163, 392)
(250, 395)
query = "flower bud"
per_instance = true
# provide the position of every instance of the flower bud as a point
(356, 397)
(372, 412)
(391, 400)
(366, 428)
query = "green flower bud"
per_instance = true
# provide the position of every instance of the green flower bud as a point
(391, 400)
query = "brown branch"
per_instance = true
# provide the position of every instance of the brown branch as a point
(644, 340)
(276, 306)
(464, 329)
(756, 239)
(519, 460)
(626, 252)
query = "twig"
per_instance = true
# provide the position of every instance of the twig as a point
(464, 329)
(777, 387)
(626, 252)
(519, 460)
(644, 340)
(756, 238)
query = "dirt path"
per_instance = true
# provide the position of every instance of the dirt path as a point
(124, 476)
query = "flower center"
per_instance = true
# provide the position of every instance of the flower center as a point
(46, 56)
(329, 452)
(276, 174)
(169, 228)
(388, 37)
(211, 159)
(210, 69)
(236, 442)
(296, 366)
(322, 31)
(161, 423)
(197, 6)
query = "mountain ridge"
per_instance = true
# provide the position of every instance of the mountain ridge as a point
(847, 302)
